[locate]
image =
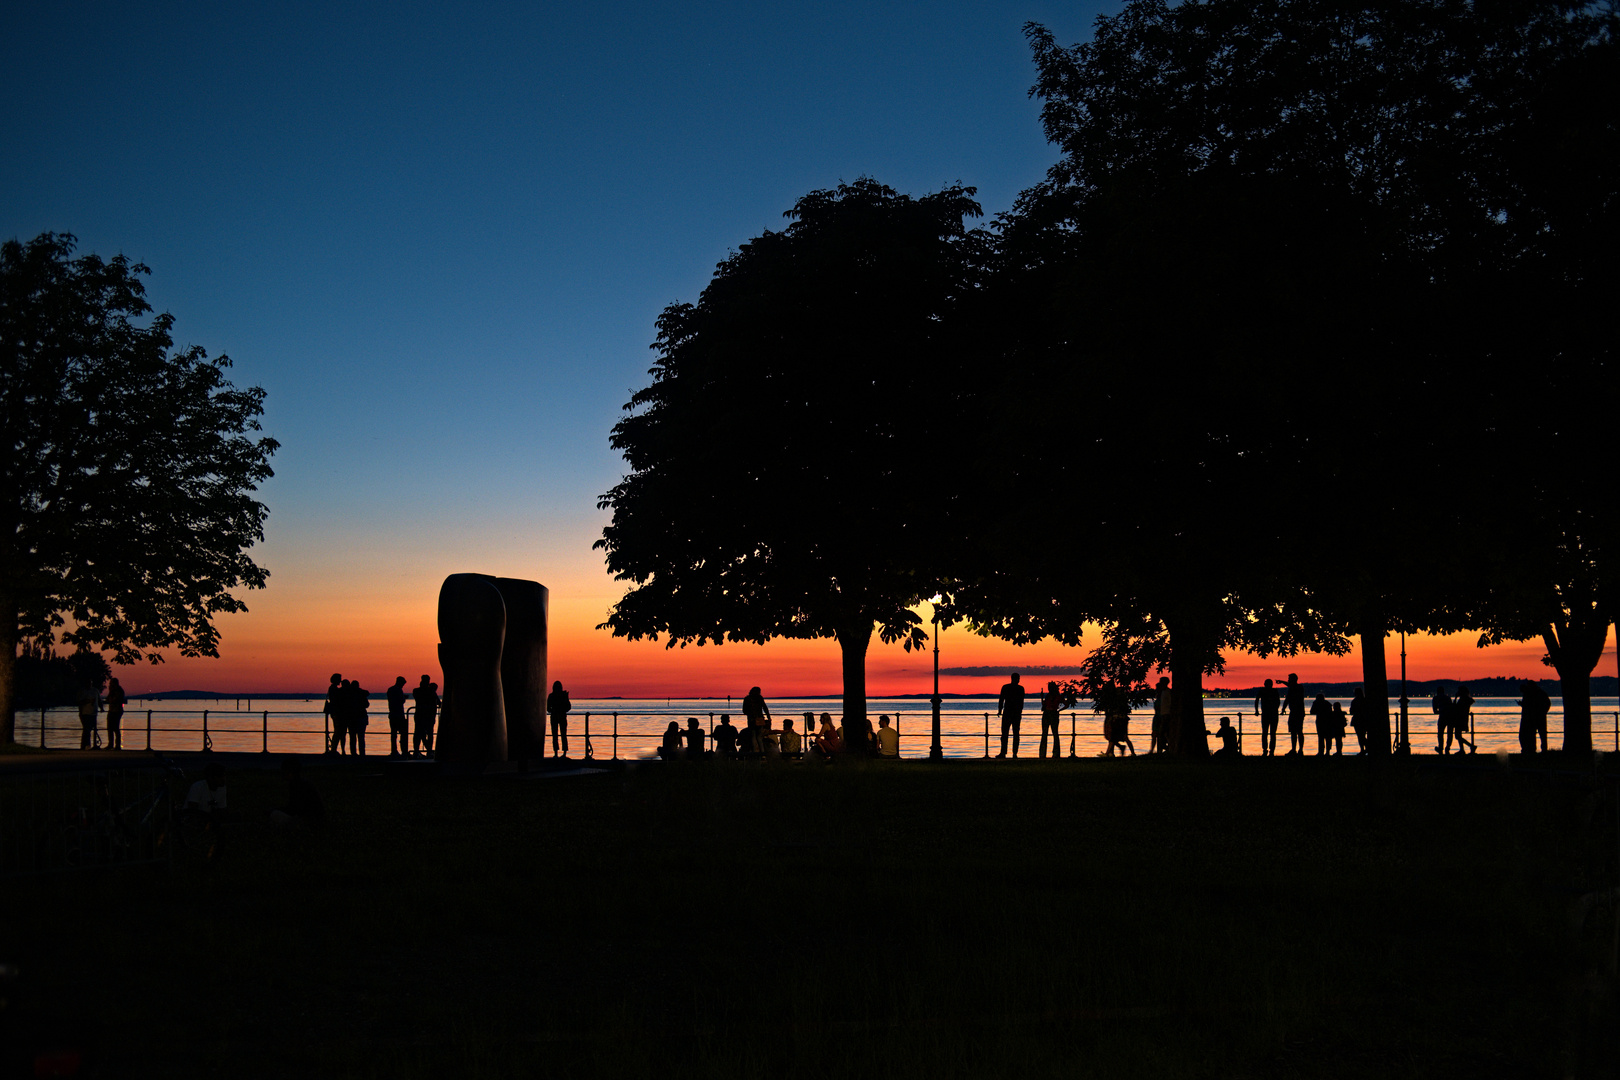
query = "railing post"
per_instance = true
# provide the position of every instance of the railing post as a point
(42, 727)
(987, 735)
(1073, 724)
(587, 736)
(149, 729)
(208, 743)
(266, 747)
(1240, 731)
(326, 731)
(615, 736)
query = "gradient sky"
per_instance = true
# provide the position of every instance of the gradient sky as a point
(439, 237)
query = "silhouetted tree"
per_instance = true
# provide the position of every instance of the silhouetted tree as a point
(125, 517)
(778, 483)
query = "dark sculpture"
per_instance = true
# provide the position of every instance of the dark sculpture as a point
(523, 667)
(492, 648)
(472, 631)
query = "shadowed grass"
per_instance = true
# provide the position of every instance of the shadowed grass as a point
(1140, 919)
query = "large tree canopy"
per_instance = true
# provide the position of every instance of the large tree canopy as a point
(125, 507)
(780, 481)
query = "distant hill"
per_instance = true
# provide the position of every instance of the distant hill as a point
(1497, 686)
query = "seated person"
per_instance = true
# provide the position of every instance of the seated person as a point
(888, 739)
(725, 738)
(671, 748)
(748, 744)
(303, 806)
(695, 738)
(1229, 739)
(789, 742)
(829, 740)
(207, 796)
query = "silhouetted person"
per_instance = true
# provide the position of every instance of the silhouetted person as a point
(1010, 707)
(888, 739)
(1358, 718)
(89, 707)
(1228, 736)
(1441, 704)
(695, 738)
(426, 696)
(829, 740)
(748, 744)
(1533, 709)
(792, 744)
(558, 707)
(359, 717)
(1163, 703)
(1294, 703)
(725, 738)
(1322, 718)
(757, 713)
(303, 805)
(1266, 703)
(1336, 733)
(1051, 716)
(399, 735)
(115, 715)
(1462, 710)
(670, 749)
(1117, 729)
(335, 713)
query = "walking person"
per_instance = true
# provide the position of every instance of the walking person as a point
(1265, 706)
(1159, 736)
(1462, 715)
(399, 734)
(1051, 716)
(426, 696)
(1010, 707)
(115, 715)
(1533, 709)
(89, 707)
(558, 707)
(1294, 702)
(334, 712)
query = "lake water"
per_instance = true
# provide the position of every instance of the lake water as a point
(297, 726)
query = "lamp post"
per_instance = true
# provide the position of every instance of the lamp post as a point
(936, 752)
(1403, 746)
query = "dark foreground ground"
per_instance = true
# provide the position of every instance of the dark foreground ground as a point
(1094, 918)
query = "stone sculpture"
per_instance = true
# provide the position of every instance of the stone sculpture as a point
(492, 649)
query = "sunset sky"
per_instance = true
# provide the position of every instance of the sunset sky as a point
(439, 237)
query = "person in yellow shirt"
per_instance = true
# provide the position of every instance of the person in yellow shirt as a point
(888, 739)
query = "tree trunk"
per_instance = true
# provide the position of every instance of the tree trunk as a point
(1575, 651)
(853, 639)
(1187, 735)
(8, 669)
(1375, 685)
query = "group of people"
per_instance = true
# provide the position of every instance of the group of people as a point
(757, 738)
(1010, 711)
(90, 703)
(348, 707)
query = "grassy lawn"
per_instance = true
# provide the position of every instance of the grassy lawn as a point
(1146, 918)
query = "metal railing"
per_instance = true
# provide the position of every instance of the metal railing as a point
(218, 723)
(69, 819)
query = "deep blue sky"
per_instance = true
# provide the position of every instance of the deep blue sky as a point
(439, 236)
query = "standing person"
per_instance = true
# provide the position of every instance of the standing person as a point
(1533, 709)
(1322, 717)
(1462, 712)
(334, 712)
(1051, 716)
(1265, 705)
(89, 707)
(1337, 734)
(1158, 736)
(1441, 704)
(757, 712)
(1294, 702)
(115, 715)
(399, 735)
(426, 696)
(558, 707)
(1358, 718)
(359, 717)
(1010, 707)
